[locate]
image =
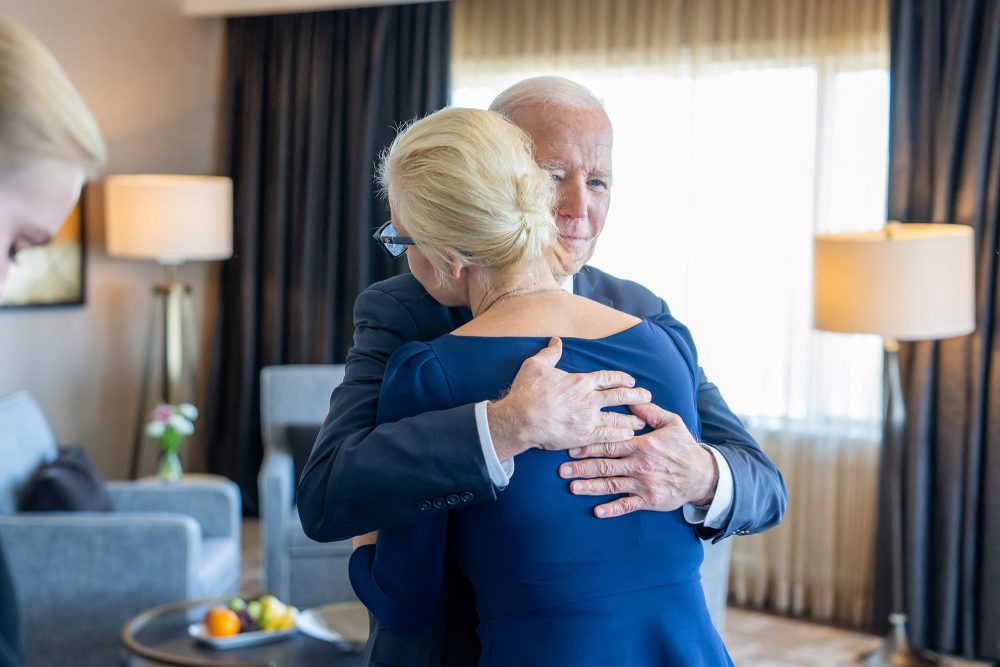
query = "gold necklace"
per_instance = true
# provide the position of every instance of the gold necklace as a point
(514, 293)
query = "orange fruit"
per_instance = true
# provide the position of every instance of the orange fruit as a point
(222, 622)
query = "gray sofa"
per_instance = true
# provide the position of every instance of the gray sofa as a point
(304, 570)
(79, 576)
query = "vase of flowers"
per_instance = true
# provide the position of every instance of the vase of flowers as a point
(169, 426)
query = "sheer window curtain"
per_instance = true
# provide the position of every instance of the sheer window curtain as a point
(741, 128)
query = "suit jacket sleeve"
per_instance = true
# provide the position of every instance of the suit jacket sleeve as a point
(759, 494)
(400, 579)
(360, 477)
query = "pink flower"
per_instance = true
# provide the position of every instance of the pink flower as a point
(162, 412)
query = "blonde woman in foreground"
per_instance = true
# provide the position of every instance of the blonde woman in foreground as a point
(49, 143)
(553, 584)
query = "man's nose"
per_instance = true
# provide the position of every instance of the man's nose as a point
(573, 200)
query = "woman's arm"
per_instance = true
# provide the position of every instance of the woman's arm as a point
(398, 573)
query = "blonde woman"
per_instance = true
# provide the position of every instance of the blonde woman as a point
(49, 143)
(553, 584)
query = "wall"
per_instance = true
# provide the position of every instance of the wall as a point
(154, 80)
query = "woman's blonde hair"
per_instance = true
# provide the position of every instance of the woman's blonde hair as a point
(41, 113)
(463, 181)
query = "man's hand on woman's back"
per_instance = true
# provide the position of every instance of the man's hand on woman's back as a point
(554, 410)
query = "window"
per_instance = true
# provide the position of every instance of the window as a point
(734, 171)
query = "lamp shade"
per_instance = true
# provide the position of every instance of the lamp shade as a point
(906, 281)
(169, 218)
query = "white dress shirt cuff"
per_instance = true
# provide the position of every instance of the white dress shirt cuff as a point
(713, 515)
(499, 472)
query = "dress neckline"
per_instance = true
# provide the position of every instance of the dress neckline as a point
(564, 338)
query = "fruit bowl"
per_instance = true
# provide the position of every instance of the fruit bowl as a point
(200, 633)
(242, 622)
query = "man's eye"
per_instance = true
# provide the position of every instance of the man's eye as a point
(597, 183)
(556, 178)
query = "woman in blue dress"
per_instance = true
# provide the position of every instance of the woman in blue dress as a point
(553, 584)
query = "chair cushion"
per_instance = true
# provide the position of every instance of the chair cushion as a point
(300, 438)
(26, 442)
(71, 483)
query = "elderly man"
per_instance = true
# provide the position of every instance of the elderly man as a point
(361, 477)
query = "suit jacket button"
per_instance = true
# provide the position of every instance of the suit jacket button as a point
(467, 496)
(453, 499)
(439, 503)
(424, 505)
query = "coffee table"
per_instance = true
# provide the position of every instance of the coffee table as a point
(160, 637)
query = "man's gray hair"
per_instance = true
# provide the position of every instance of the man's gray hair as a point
(545, 91)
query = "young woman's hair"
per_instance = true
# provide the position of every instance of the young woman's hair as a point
(545, 91)
(463, 184)
(41, 114)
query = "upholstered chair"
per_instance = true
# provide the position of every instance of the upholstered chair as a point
(80, 576)
(294, 400)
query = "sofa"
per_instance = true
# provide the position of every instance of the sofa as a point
(80, 576)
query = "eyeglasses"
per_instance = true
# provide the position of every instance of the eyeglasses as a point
(392, 243)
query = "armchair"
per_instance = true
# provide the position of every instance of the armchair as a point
(79, 576)
(296, 568)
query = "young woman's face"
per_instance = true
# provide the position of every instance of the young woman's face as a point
(34, 203)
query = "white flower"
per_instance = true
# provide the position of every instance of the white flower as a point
(180, 424)
(188, 411)
(155, 429)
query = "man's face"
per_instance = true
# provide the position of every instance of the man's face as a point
(34, 203)
(573, 145)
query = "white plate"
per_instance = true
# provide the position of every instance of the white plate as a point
(198, 631)
(342, 623)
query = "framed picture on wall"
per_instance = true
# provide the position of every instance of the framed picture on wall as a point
(53, 274)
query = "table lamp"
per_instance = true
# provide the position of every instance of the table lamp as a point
(170, 219)
(906, 282)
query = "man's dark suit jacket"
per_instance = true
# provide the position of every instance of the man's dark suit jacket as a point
(361, 478)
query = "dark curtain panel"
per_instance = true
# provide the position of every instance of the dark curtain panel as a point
(312, 101)
(945, 168)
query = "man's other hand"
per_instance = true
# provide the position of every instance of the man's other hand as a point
(660, 470)
(555, 410)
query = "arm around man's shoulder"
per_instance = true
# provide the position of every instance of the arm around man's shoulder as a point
(361, 478)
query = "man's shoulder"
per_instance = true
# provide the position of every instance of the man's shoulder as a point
(403, 287)
(401, 301)
(625, 295)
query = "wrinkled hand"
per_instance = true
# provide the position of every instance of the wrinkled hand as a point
(555, 410)
(660, 470)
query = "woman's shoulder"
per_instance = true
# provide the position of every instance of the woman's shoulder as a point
(411, 357)
(414, 382)
(666, 324)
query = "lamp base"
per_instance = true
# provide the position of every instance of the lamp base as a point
(896, 651)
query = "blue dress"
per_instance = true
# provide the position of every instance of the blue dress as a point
(553, 584)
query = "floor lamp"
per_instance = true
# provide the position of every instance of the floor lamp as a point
(172, 220)
(906, 282)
